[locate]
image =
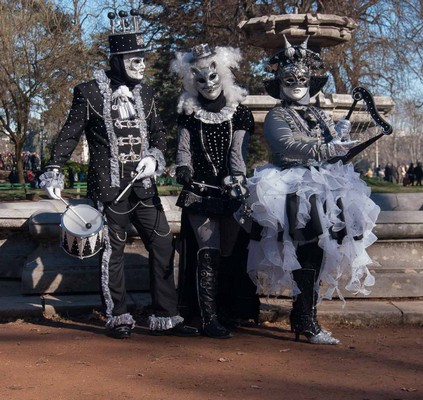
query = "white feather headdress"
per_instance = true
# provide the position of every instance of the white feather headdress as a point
(225, 59)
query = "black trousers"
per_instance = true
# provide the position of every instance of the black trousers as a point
(148, 218)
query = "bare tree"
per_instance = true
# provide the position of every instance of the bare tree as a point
(42, 56)
(385, 50)
(46, 51)
(407, 119)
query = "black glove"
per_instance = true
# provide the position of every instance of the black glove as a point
(183, 175)
(236, 186)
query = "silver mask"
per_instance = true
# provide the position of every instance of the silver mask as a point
(207, 81)
(294, 81)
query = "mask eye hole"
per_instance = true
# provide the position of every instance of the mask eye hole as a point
(201, 80)
(213, 77)
(289, 81)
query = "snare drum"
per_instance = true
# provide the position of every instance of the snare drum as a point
(82, 231)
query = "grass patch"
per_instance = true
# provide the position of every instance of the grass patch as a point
(379, 186)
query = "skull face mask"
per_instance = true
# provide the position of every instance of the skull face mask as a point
(207, 81)
(134, 65)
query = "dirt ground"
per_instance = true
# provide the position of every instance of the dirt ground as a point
(73, 360)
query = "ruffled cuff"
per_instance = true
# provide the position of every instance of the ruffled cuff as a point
(158, 156)
(52, 177)
(123, 319)
(163, 323)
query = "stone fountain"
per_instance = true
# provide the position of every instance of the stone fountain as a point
(323, 30)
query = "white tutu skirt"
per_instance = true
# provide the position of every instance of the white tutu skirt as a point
(272, 259)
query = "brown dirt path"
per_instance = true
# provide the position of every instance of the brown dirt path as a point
(74, 360)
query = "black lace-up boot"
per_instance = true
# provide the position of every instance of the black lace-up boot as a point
(208, 264)
(303, 315)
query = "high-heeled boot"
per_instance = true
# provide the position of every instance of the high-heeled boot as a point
(207, 286)
(303, 315)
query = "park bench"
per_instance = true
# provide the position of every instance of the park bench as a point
(5, 186)
(80, 185)
(21, 186)
(14, 186)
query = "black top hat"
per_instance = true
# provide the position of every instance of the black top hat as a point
(123, 43)
(126, 36)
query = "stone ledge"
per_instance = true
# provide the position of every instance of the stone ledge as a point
(400, 217)
(33, 252)
(353, 312)
(14, 307)
(398, 201)
(85, 304)
(399, 225)
(50, 270)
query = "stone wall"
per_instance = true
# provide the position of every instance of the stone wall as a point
(30, 248)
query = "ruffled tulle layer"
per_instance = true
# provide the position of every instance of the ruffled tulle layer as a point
(273, 258)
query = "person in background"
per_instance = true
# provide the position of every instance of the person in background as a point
(418, 173)
(71, 177)
(410, 174)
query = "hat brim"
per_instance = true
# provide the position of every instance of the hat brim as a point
(130, 51)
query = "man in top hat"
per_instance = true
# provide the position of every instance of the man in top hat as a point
(126, 140)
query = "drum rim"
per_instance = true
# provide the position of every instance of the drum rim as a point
(101, 226)
(81, 257)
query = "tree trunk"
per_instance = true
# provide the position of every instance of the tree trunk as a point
(19, 161)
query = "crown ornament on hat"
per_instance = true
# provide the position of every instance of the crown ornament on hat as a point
(125, 36)
(201, 51)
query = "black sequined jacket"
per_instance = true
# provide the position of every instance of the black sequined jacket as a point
(212, 151)
(107, 174)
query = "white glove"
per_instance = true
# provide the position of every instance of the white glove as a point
(52, 181)
(53, 193)
(148, 166)
(343, 129)
(338, 148)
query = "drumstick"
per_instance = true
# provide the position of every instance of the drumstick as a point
(87, 224)
(115, 201)
(202, 185)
